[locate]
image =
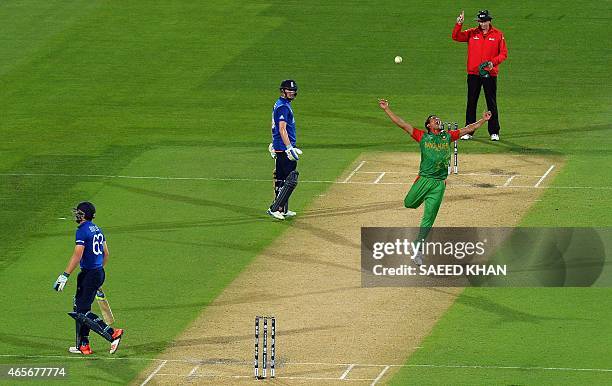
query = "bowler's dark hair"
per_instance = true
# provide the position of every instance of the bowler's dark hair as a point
(427, 121)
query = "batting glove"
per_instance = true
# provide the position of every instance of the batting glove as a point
(100, 295)
(271, 150)
(293, 153)
(60, 283)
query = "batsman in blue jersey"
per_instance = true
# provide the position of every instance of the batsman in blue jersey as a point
(284, 151)
(91, 253)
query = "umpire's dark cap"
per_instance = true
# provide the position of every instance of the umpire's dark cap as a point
(483, 15)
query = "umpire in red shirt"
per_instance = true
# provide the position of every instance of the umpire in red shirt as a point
(486, 50)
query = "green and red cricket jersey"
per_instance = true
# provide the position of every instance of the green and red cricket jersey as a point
(435, 152)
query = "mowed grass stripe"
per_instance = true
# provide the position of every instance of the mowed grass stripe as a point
(125, 79)
(553, 327)
(122, 75)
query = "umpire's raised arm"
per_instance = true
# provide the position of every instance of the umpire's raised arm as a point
(384, 104)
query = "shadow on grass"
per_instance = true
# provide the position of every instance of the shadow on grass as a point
(290, 257)
(253, 214)
(506, 314)
(160, 346)
(54, 351)
(512, 147)
(563, 130)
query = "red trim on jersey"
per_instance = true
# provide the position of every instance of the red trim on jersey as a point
(416, 179)
(454, 134)
(417, 134)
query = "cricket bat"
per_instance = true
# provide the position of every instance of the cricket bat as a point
(107, 314)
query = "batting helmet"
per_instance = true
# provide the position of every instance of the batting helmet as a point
(84, 211)
(289, 84)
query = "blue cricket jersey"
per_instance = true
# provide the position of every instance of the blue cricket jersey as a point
(282, 112)
(90, 235)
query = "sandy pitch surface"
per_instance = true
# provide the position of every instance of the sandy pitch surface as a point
(329, 329)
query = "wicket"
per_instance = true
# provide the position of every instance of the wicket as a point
(265, 363)
(453, 126)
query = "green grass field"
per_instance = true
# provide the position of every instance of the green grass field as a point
(184, 89)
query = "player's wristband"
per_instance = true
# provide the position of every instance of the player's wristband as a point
(66, 274)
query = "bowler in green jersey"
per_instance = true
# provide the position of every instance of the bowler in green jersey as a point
(430, 184)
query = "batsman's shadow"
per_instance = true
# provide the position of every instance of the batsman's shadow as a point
(256, 296)
(42, 342)
(239, 209)
(158, 346)
(48, 348)
(277, 254)
(497, 194)
(308, 222)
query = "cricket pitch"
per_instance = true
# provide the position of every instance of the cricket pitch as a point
(329, 329)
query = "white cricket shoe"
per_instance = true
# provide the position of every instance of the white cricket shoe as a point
(466, 137)
(494, 137)
(277, 215)
(117, 335)
(289, 213)
(85, 350)
(417, 258)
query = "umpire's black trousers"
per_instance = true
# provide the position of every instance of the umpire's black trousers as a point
(475, 82)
